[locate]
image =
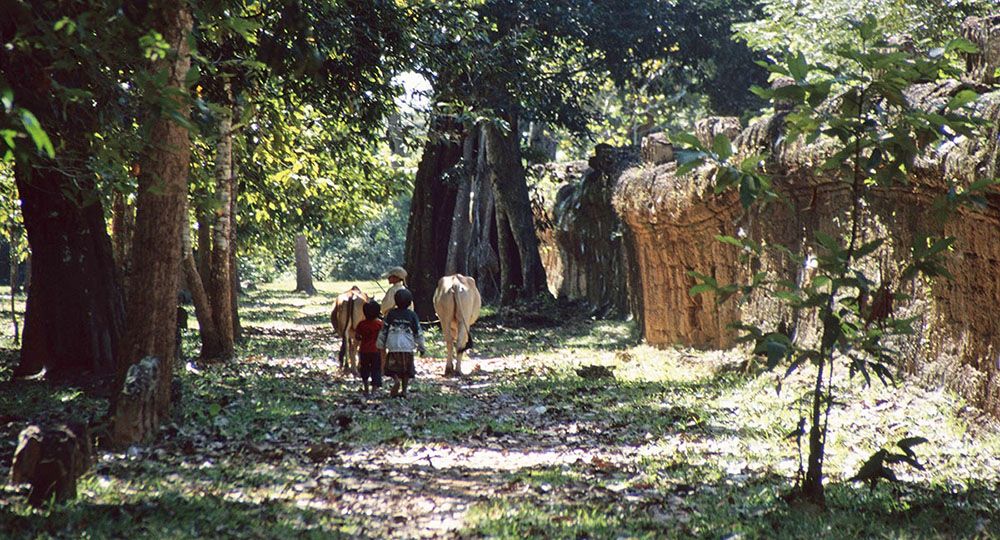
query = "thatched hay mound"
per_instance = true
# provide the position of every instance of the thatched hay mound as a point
(674, 221)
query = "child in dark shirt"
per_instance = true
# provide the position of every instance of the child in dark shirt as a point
(399, 339)
(369, 356)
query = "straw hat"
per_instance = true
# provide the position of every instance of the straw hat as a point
(397, 271)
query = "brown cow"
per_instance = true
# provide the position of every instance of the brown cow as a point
(348, 312)
(457, 303)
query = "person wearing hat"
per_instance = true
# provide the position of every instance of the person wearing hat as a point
(397, 279)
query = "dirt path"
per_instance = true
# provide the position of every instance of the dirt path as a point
(281, 444)
(424, 488)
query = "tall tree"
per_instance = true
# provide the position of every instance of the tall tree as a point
(508, 64)
(521, 262)
(431, 211)
(211, 345)
(156, 248)
(220, 289)
(57, 67)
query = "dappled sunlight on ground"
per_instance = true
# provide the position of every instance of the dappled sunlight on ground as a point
(677, 443)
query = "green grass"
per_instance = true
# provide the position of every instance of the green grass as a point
(280, 443)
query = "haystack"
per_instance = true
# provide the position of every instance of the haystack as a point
(674, 220)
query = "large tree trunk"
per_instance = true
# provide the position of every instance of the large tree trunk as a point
(510, 261)
(431, 210)
(220, 290)
(461, 222)
(303, 270)
(74, 315)
(510, 187)
(152, 309)
(211, 345)
(484, 264)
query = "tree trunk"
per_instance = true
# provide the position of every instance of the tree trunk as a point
(511, 282)
(122, 227)
(510, 188)
(461, 222)
(204, 256)
(74, 315)
(234, 269)
(220, 290)
(484, 264)
(152, 309)
(27, 275)
(431, 210)
(303, 270)
(211, 345)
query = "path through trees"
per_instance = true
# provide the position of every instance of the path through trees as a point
(676, 444)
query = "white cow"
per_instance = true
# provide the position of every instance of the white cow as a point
(457, 303)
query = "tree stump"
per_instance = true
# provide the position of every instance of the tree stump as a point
(135, 418)
(51, 458)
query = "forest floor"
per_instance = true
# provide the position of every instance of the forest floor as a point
(678, 443)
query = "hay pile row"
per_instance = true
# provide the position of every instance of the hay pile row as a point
(674, 220)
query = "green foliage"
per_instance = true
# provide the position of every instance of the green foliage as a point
(364, 252)
(313, 85)
(873, 134)
(798, 26)
(538, 60)
(19, 123)
(704, 72)
(303, 172)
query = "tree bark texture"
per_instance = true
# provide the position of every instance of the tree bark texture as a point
(204, 255)
(431, 210)
(461, 222)
(303, 270)
(588, 235)
(211, 345)
(484, 264)
(74, 316)
(122, 227)
(156, 248)
(220, 290)
(510, 188)
(510, 260)
(234, 269)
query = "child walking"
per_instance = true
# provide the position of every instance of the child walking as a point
(369, 356)
(399, 339)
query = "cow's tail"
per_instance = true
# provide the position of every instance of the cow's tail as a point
(462, 323)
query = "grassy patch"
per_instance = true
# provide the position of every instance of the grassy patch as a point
(280, 443)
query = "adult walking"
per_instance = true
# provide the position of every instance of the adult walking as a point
(397, 280)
